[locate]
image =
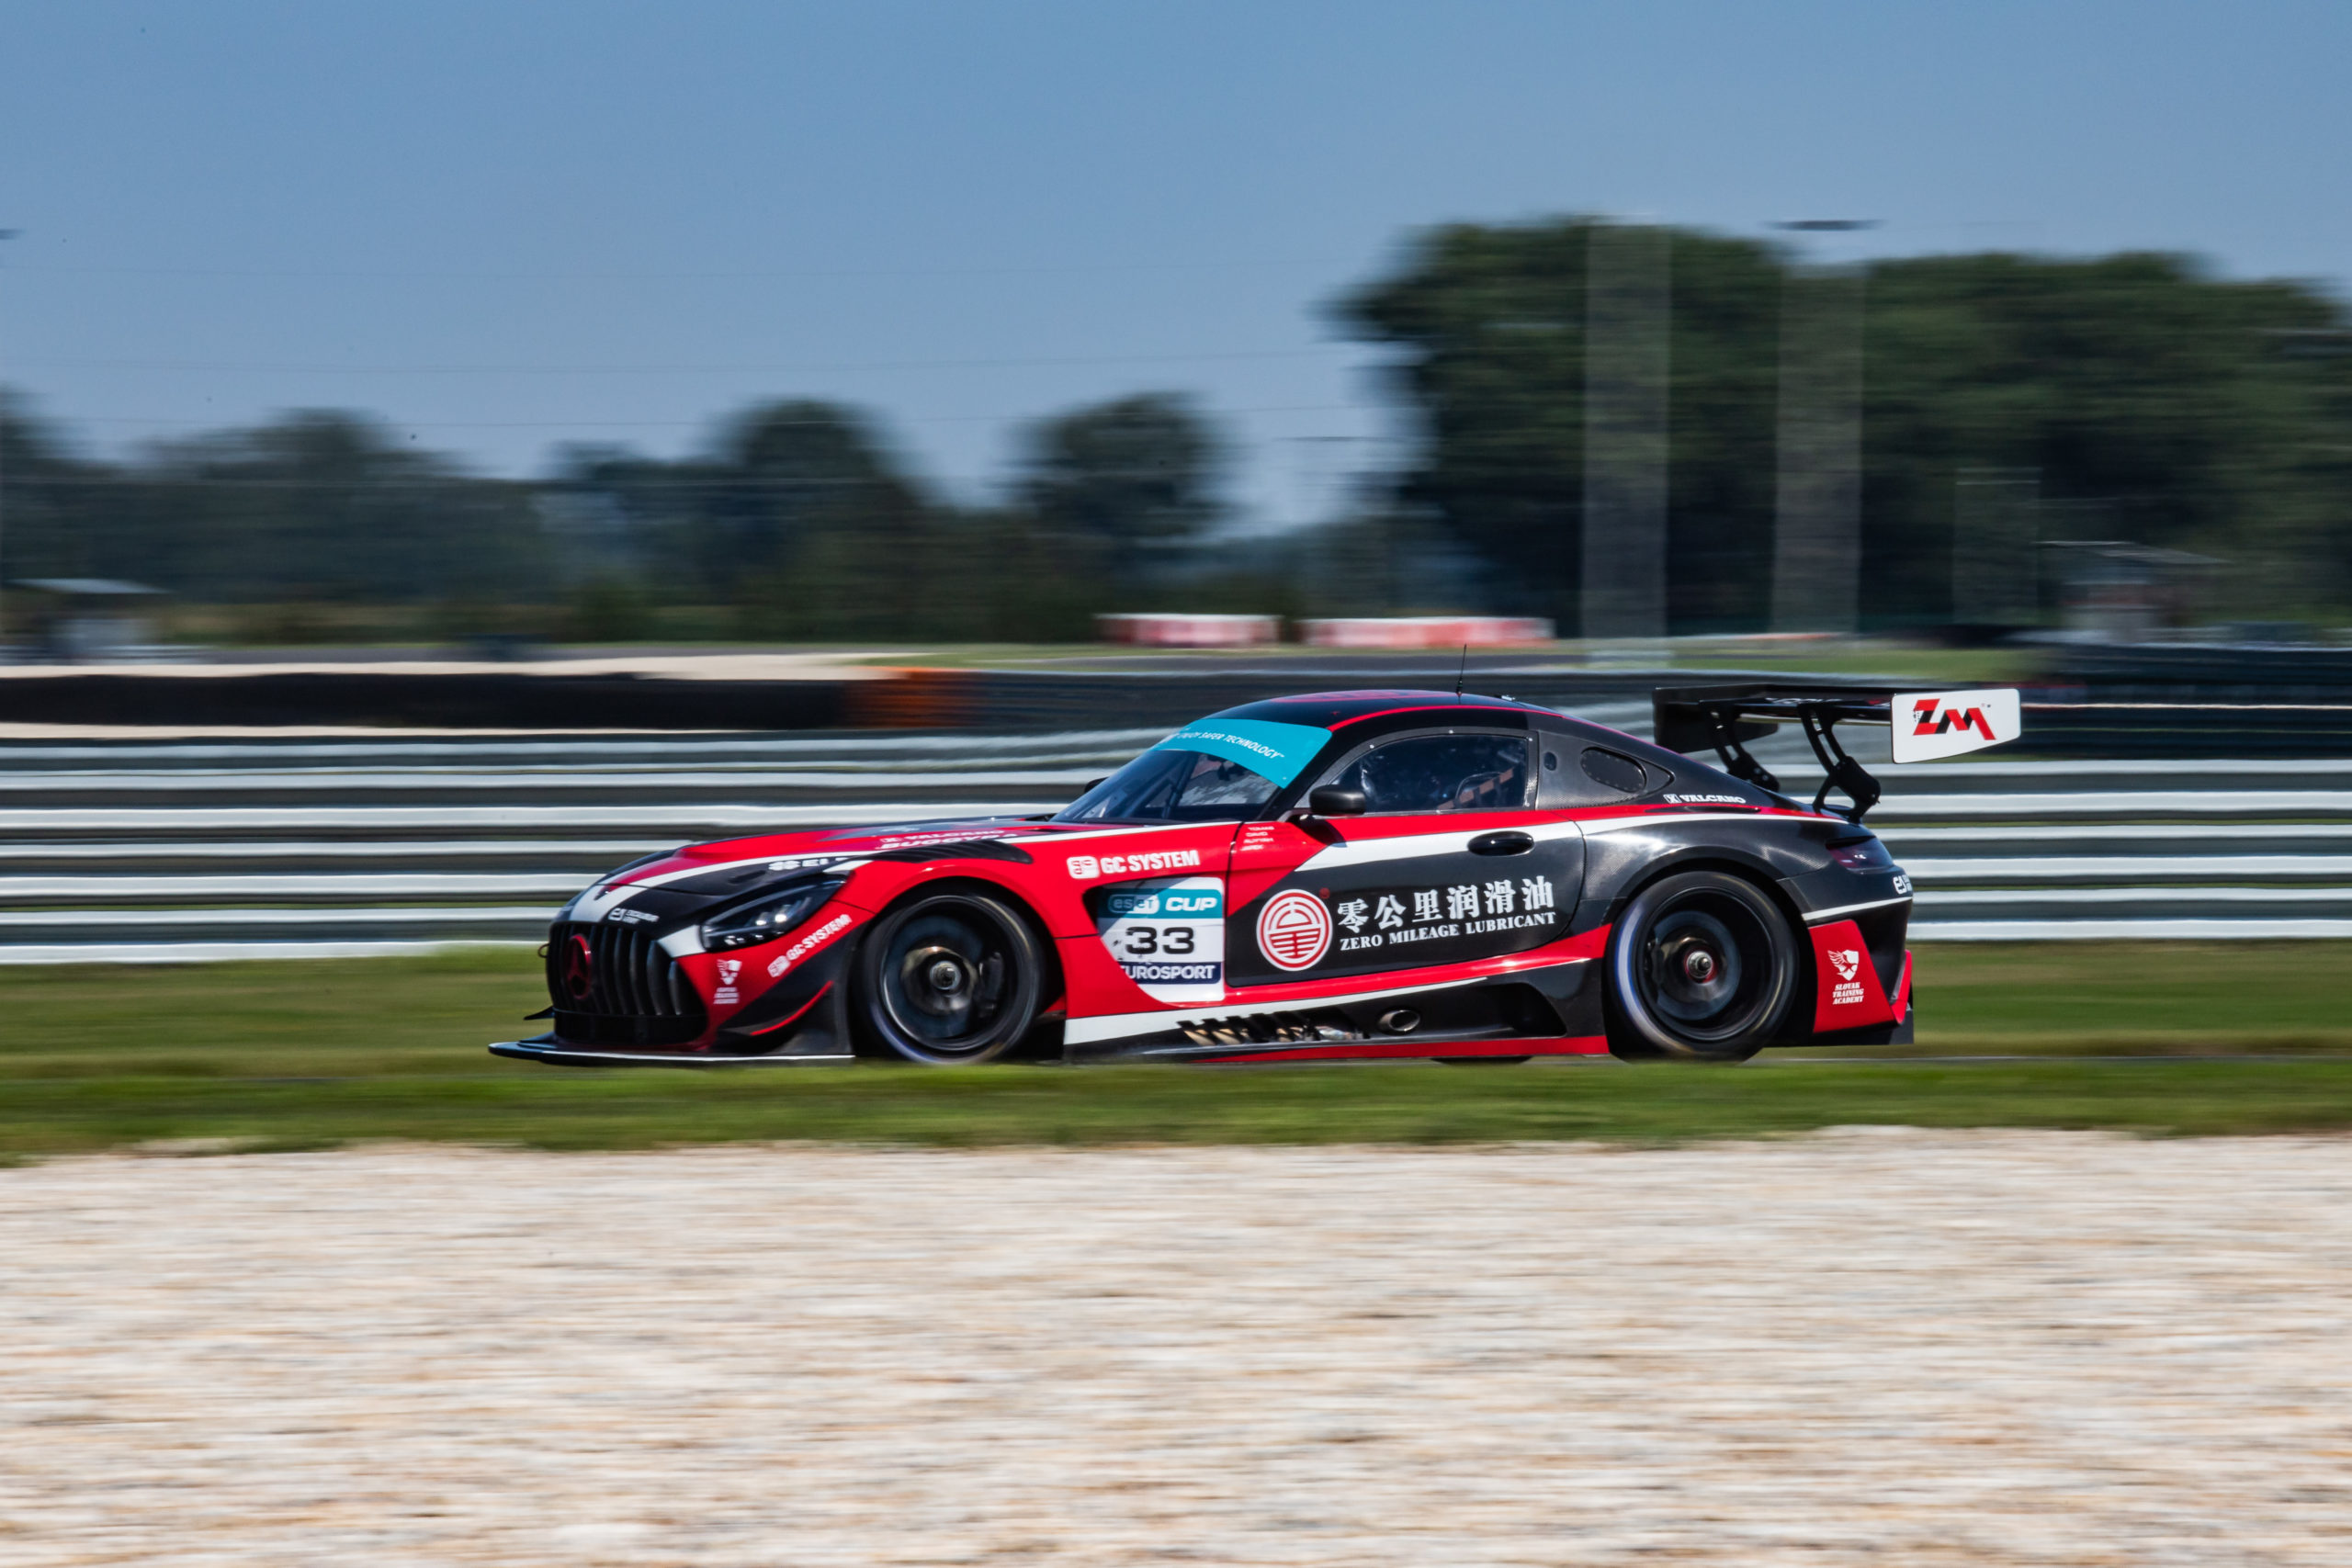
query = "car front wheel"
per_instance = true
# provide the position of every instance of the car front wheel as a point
(947, 979)
(1703, 967)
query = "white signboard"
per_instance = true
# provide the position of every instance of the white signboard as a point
(1933, 725)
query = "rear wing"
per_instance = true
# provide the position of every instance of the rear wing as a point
(1925, 724)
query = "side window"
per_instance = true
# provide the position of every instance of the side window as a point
(1579, 773)
(1442, 773)
(1613, 769)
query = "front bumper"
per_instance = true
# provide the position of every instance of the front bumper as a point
(803, 1017)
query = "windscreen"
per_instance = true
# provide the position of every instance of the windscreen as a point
(1166, 784)
(1220, 770)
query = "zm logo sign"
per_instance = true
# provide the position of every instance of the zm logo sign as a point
(1931, 725)
(1930, 718)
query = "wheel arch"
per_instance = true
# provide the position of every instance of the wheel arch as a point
(1052, 985)
(1797, 1028)
(1703, 857)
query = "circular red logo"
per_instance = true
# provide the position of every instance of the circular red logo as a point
(1293, 930)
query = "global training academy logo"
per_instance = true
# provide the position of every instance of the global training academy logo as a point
(1293, 930)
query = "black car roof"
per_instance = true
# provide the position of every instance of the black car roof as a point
(1354, 717)
(1340, 710)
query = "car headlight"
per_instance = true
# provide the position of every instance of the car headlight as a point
(765, 918)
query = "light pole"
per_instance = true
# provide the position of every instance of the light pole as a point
(1817, 521)
(1627, 383)
(5, 234)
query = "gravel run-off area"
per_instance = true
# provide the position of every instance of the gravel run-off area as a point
(1866, 1347)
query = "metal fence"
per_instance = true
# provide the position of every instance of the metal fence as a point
(182, 851)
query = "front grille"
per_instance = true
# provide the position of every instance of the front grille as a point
(637, 995)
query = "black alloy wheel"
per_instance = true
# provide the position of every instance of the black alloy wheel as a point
(1703, 967)
(947, 979)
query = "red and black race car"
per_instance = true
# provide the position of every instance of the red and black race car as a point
(1340, 874)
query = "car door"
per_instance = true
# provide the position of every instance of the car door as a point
(1450, 864)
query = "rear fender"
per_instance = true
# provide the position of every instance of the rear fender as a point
(1619, 865)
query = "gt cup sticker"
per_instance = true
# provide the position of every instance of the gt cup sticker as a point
(1293, 930)
(1169, 935)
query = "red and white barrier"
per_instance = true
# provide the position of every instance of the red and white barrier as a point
(1166, 630)
(1426, 631)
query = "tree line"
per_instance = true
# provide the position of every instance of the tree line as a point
(800, 522)
(2146, 398)
(2143, 399)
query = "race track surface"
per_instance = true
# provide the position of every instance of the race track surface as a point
(1861, 1347)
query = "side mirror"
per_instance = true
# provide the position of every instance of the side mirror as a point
(1082, 793)
(1332, 800)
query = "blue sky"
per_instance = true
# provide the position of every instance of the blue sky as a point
(502, 225)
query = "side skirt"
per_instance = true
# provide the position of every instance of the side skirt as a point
(1553, 1010)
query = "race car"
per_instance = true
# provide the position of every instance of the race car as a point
(1365, 873)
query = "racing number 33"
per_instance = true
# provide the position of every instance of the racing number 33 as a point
(1169, 935)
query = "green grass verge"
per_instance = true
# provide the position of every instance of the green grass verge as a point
(290, 1056)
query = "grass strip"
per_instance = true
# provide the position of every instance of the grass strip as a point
(309, 1054)
(974, 1107)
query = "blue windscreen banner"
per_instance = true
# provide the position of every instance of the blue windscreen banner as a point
(1275, 751)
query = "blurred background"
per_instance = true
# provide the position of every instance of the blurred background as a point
(413, 421)
(749, 324)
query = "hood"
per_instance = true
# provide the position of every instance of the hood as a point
(683, 882)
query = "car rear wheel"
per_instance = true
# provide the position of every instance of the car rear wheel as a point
(947, 979)
(1703, 967)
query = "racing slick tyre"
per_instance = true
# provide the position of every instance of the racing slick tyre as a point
(1703, 967)
(946, 979)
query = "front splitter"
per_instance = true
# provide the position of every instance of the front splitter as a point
(572, 1056)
